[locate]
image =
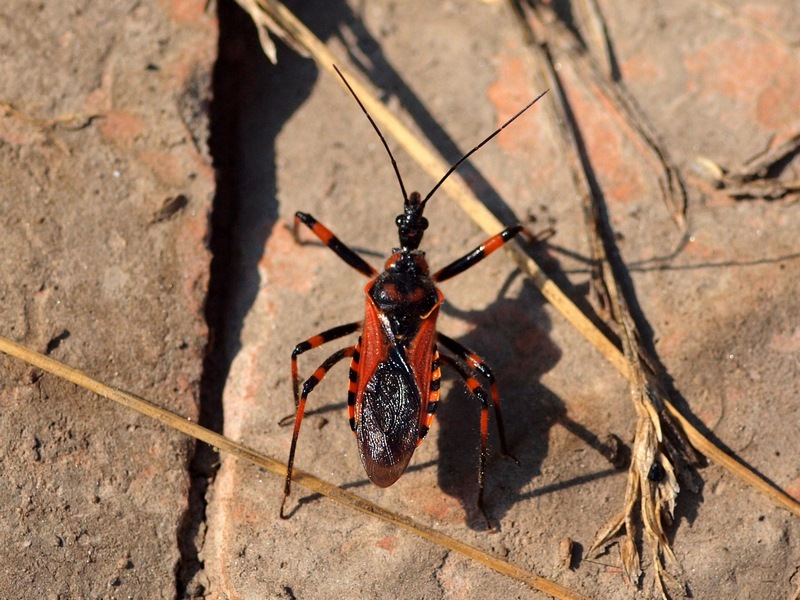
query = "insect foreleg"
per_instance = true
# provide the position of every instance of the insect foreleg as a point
(478, 254)
(331, 241)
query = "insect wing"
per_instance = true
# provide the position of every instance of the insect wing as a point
(388, 420)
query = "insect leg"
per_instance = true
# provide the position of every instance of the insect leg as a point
(316, 342)
(308, 387)
(433, 397)
(352, 387)
(331, 241)
(477, 363)
(478, 254)
(477, 391)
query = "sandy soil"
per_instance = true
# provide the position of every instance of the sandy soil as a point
(99, 502)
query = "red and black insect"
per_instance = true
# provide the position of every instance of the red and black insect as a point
(395, 364)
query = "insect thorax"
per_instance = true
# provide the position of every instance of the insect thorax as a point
(404, 293)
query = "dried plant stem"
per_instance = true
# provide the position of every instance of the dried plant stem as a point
(614, 95)
(730, 463)
(302, 478)
(644, 497)
(653, 475)
(70, 121)
(731, 12)
(752, 179)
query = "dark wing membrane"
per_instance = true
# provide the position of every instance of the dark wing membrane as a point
(388, 421)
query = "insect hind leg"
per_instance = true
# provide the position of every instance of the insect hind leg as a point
(479, 365)
(472, 258)
(308, 387)
(477, 391)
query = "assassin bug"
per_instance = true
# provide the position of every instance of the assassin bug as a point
(395, 364)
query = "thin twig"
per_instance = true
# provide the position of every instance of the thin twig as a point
(173, 421)
(732, 464)
(644, 497)
(650, 493)
(69, 121)
(752, 179)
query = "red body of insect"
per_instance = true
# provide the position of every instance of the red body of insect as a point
(395, 365)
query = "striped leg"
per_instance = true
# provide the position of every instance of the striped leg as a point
(316, 342)
(477, 391)
(334, 243)
(308, 387)
(352, 387)
(477, 363)
(472, 258)
(433, 397)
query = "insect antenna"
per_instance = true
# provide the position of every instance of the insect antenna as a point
(378, 131)
(479, 146)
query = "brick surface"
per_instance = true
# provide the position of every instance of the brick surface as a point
(103, 137)
(95, 496)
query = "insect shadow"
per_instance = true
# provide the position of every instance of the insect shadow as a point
(512, 335)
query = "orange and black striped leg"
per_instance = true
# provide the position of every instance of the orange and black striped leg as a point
(308, 387)
(471, 259)
(477, 363)
(353, 385)
(433, 396)
(477, 391)
(316, 342)
(334, 243)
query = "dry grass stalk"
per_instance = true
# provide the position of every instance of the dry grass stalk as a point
(600, 74)
(755, 178)
(67, 121)
(656, 465)
(732, 12)
(652, 488)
